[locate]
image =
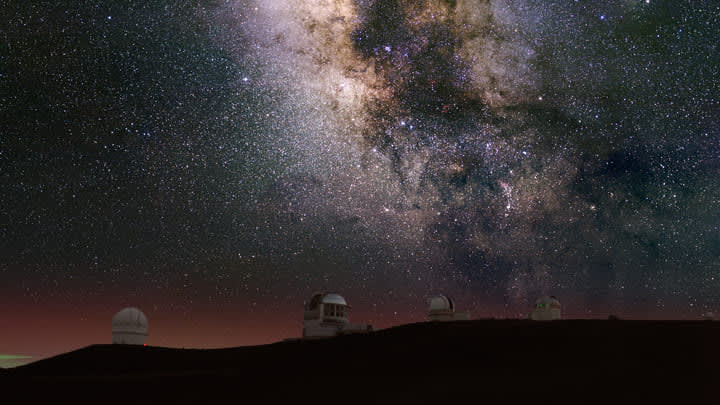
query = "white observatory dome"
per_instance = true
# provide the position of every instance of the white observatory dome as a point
(548, 301)
(333, 299)
(129, 326)
(547, 308)
(326, 315)
(441, 303)
(442, 308)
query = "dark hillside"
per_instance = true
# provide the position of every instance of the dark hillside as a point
(495, 361)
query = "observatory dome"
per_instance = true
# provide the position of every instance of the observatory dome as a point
(549, 301)
(442, 308)
(441, 303)
(326, 315)
(129, 326)
(333, 299)
(547, 308)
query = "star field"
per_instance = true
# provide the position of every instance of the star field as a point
(236, 156)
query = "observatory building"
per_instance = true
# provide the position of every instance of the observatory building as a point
(326, 315)
(546, 309)
(129, 327)
(442, 308)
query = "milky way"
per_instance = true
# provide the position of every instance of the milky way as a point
(471, 141)
(244, 154)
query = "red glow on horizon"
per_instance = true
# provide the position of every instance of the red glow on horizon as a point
(44, 330)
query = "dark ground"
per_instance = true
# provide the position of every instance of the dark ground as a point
(486, 361)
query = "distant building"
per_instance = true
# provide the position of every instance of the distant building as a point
(546, 309)
(129, 327)
(326, 315)
(442, 308)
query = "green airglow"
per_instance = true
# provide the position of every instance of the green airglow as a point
(13, 360)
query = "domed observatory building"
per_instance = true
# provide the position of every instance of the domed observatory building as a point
(547, 308)
(129, 327)
(442, 308)
(326, 315)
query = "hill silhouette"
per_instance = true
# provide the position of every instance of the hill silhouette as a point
(487, 361)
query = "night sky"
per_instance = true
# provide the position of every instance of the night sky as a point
(214, 163)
